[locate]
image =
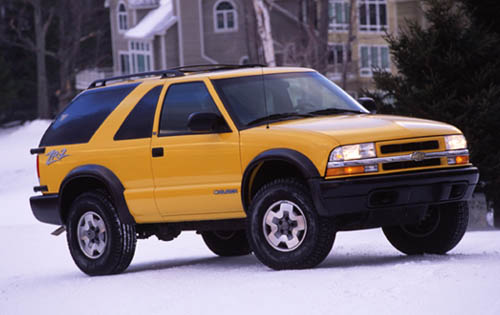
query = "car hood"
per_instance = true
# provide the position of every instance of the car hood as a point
(350, 129)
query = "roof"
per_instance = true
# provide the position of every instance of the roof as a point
(156, 22)
(188, 73)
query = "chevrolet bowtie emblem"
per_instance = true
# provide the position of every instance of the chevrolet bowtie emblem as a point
(417, 156)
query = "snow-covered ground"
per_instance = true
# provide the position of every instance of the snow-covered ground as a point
(362, 275)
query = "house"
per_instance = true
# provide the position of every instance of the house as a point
(158, 34)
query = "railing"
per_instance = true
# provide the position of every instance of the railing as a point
(137, 4)
(87, 76)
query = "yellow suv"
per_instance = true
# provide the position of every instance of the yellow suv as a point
(269, 160)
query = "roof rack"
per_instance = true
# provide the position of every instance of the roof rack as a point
(214, 67)
(174, 72)
(169, 73)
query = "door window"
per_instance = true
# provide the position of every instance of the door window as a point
(182, 100)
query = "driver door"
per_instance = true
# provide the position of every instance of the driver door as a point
(197, 176)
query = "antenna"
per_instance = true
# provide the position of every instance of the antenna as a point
(265, 96)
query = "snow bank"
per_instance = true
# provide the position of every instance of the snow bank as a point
(155, 22)
(18, 171)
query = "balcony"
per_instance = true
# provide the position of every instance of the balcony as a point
(144, 4)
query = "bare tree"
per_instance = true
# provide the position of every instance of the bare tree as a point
(309, 46)
(42, 21)
(347, 59)
(264, 31)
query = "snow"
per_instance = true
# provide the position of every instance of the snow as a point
(155, 22)
(362, 275)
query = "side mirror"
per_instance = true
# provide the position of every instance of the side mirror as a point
(204, 122)
(369, 104)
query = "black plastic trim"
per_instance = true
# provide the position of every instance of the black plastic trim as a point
(353, 195)
(40, 188)
(169, 73)
(37, 151)
(45, 208)
(297, 159)
(108, 178)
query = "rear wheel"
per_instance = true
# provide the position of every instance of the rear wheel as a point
(284, 230)
(227, 243)
(99, 242)
(440, 231)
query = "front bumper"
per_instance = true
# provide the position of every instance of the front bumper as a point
(46, 208)
(390, 192)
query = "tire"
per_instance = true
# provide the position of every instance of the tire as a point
(309, 237)
(227, 243)
(94, 251)
(439, 232)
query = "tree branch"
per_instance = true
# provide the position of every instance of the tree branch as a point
(25, 42)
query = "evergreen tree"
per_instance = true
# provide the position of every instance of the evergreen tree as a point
(450, 71)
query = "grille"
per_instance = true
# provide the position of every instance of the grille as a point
(408, 147)
(410, 164)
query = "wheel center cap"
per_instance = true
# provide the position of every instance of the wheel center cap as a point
(91, 234)
(285, 225)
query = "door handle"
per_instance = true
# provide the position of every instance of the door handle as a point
(157, 152)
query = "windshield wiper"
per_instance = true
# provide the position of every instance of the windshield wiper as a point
(278, 117)
(330, 111)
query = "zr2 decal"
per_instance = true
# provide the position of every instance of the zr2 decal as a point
(55, 156)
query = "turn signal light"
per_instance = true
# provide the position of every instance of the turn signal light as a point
(348, 170)
(461, 159)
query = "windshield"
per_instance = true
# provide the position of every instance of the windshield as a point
(287, 96)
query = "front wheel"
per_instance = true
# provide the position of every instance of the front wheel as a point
(439, 232)
(284, 230)
(99, 242)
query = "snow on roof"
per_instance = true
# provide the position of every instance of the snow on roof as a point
(155, 22)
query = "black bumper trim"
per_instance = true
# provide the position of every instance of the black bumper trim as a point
(46, 208)
(40, 188)
(372, 193)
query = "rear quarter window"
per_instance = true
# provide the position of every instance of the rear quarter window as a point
(139, 123)
(83, 116)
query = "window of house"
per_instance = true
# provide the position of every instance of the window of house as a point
(141, 56)
(338, 15)
(181, 101)
(125, 63)
(374, 58)
(225, 17)
(372, 15)
(122, 17)
(336, 55)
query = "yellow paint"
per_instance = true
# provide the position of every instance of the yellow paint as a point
(193, 167)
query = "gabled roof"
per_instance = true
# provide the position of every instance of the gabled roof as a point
(156, 22)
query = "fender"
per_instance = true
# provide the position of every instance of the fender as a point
(109, 179)
(295, 158)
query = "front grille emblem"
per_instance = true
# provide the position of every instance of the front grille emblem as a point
(417, 156)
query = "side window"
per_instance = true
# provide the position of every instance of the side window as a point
(81, 118)
(182, 100)
(139, 123)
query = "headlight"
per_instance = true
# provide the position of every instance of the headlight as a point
(455, 142)
(353, 152)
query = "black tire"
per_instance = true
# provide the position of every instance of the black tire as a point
(119, 239)
(227, 243)
(441, 230)
(315, 241)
